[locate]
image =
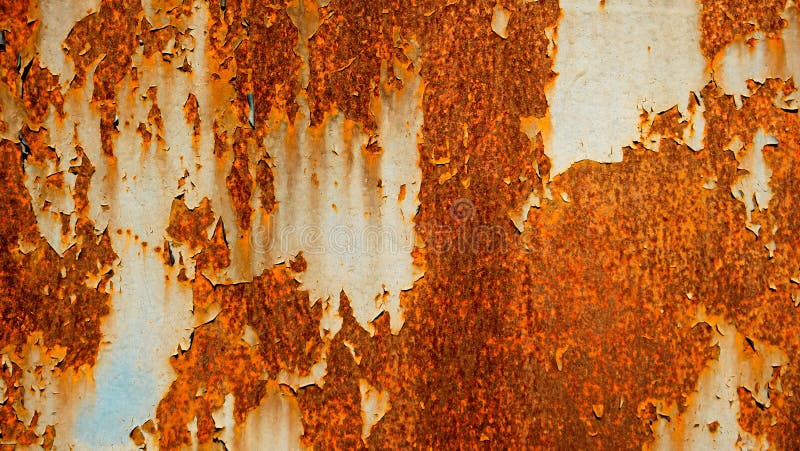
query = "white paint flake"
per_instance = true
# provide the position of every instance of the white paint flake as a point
(752, 188)
(374, 405)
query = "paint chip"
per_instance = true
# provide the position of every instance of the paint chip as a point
(500, 18)
(374, 405)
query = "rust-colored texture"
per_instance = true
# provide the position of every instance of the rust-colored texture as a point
(243, 224)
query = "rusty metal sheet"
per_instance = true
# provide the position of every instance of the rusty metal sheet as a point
(381, 224)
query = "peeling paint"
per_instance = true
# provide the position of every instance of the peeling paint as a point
(758, 56)
(711, 418)
(596, 100)
(374, 405)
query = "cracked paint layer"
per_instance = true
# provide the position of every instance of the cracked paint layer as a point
(336, 224)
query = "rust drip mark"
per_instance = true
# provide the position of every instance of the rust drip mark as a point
(268, 71)
(154, 120)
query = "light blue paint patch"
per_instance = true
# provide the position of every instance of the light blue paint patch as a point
(128, 378)
(123, 387)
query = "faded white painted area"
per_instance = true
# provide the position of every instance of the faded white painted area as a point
(694, 133)
(147, 322)
(81, 123)
(758, 57)
(607, 78)
(49, 202)
(151, 311)
(315, 376)
(276, 424)
(224, 419)
(338, 204)
(752, 188)
(342, 206)
(716, 398)
(374, 405)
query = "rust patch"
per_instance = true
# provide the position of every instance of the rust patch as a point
(264, 181)
(45, 292)
(220, 361)
(190, 109)
(110, 34)
(722, 21)
(62, 298)
(190, 226)
(240, 181)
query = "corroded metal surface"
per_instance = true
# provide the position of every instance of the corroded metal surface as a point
(322, 223)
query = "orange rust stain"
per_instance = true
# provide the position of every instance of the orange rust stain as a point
(35, 293)
(39, 90)
(220, 361)
(264, 181)
(154, 119)
(722, 21)
(190, 226)
(664, 124)
(346, 57)
(154, 40)
(240, 181)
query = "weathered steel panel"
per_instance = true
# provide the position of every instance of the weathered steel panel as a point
(236, 224)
